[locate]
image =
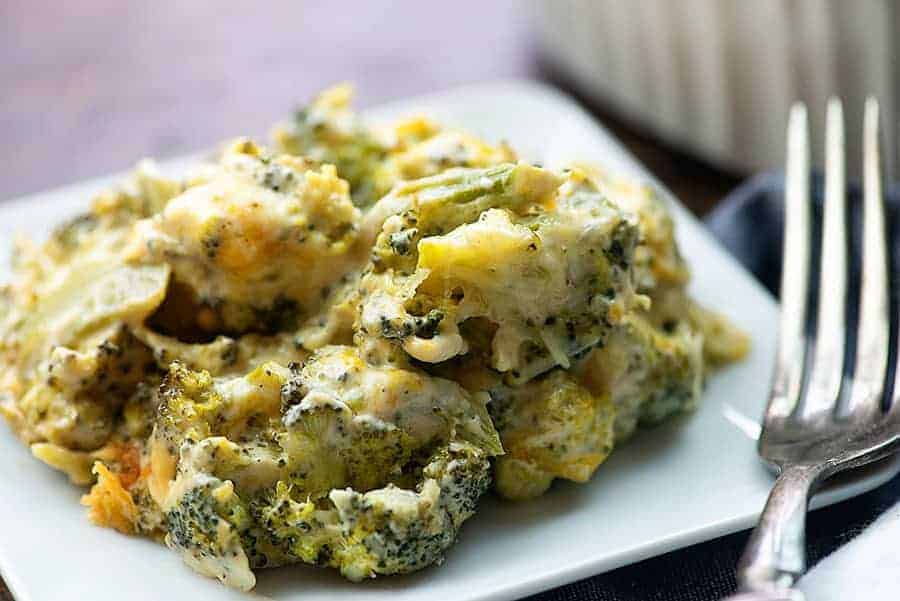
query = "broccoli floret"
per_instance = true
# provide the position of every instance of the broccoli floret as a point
(374, 160)
(551, 428)
(553, 281)
(234, 237)
(362, 452)
(369, 469)
(648, 373)
(437, 204)
(78, 401)
(442, 202)
(328, 132)
(204, 525)
(389, 530)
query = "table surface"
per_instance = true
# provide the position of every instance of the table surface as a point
(92, 86)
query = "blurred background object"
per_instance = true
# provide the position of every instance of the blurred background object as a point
(89, 87)
(716, 77)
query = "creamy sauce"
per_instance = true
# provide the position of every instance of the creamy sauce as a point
(326, 352)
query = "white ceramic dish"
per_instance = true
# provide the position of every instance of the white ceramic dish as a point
(690, 480)
(694, 72)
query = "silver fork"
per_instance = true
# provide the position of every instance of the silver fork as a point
(811, 433)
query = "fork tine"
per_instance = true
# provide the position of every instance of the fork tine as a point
(874, 325)
(824, 385)
(789, 362)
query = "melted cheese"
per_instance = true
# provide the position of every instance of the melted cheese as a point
(324, 354)
(236, 240)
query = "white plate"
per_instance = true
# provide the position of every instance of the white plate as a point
(695, 478)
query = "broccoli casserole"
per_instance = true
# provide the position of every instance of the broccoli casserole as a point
(327, 350)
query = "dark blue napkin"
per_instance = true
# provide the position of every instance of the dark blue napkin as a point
(749, 224)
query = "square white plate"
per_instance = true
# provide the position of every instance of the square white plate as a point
(692, 479)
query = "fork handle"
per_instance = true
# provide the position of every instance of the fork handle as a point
(775, 557)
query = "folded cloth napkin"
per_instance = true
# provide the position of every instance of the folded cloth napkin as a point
(865, 569)
(750, 223)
